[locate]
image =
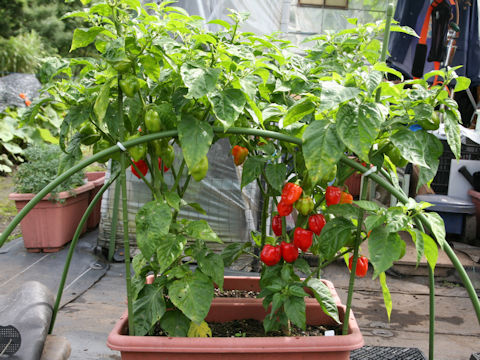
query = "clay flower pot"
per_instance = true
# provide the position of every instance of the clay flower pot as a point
(51, 224)
(97, 178)
(236, 348)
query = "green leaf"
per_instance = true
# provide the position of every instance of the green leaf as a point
(138, 262)
(384, 248)
(47, 136)
(387, 298)
(102, 101)
(211, 265)
(193, 295)
(252, 168)
(199, 81)
(437, 226)
(227, 105)
(223, 23)
(384, 68)
(358, 127)
(336, 234)
(347, 211)
(199, 229)
(169, 249)
(461, 83)
(295, 311)
(233, 251)
(297, 112)
(276, 174)
(396, 219)
(148, 308)
(84, 37)
(174, 323)
(198, 208)
(417, 238)
(195, 138)
(373, 80)
(322, 149)
(431, 250)
(152, 222)
(151, 67)
(452, 130)
(173, 199)
(332, 94)
(367, 205)
(324, 297)
(425, 175)
(303, 266)
(419, 147)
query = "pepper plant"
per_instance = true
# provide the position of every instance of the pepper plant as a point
(300, 122)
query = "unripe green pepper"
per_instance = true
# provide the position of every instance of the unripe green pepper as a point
(129, 85)
(88, 135)
(168, 156)
(137, 152)
(304, 205)
(152, 121)
(121, 65)
(102, 145)
(199, 171)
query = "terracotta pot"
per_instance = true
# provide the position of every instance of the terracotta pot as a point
(51, 224)
(97, 178)
(241, 348)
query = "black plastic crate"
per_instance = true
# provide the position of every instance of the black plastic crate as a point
(386, 353)
(469, 151)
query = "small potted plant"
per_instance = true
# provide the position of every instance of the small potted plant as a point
(52, 222)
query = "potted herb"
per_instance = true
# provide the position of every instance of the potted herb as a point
(52, 222)
(293, 121)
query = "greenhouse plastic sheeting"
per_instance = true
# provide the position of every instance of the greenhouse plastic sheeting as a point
(412, 13)
(14, 84)
(232, 213)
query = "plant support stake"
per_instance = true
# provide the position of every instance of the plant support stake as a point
(73, 244)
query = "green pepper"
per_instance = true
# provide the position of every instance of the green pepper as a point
(102, 145)
(129, 85)
(122, 65)
(152, 121)
(396, 157)
(431, 123)
(137, 152)
(199, 171)
(88, 135)
(168, 155)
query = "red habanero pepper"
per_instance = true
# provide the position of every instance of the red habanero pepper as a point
(277, 225)
(291, 192)
(289, 252)
(284, 209)
(346, 198)
(316, 223)
(302, 238)
(332, 195)
(239, 154)
(142, 166)
(271, 255)
(165, 169)
(362, 266)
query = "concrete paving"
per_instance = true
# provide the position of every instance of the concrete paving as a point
(87, 321)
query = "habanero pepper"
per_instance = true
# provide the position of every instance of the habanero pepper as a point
(316, 223)
(289, 252)
(362, 266)
(277, 225)
(304, 205)
(271, 255)
(239, 153)
(346, 198)
(284, 209)
(302, 238)
(165, 169)
(152, 121)
(332, 195)
(291, 192)
(129, 85)
(137, 152)
(199, 171)
(142, 167)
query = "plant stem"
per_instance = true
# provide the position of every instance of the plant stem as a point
(353, 270)
(263, 229)
(73, 244)
(113, 231)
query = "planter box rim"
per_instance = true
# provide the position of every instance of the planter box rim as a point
(97, 178)
(60, 196)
